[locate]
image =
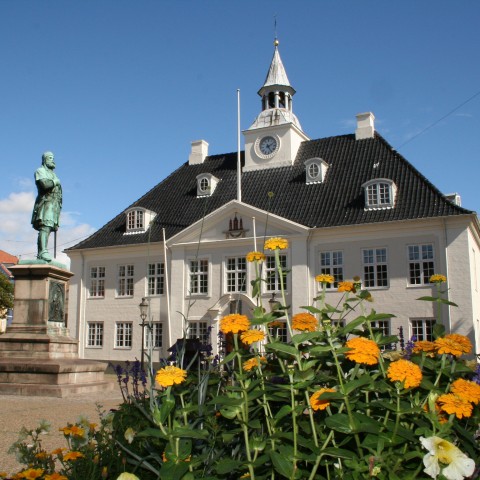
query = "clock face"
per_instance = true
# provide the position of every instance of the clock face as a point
(268, 145)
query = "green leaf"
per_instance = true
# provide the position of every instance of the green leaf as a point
(338, 453)
(305, 337)
(312, 310)
(282, 347)
(351, 325)
(226, 465)
(359, 382)
(223, 400)
(282, 465)
(165, 408)
(182, 432)
(339, 422)
(285, 410)
(173, 471)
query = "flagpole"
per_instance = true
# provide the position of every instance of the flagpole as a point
(239, 164)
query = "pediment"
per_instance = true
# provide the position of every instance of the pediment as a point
(237, 221)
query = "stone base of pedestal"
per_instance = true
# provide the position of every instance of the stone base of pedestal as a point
(51, 377)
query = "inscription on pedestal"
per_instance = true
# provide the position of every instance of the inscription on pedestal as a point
(56, 301)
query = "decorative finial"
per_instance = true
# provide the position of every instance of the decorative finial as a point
(276, 42)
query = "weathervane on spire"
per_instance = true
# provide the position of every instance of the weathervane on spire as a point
(276, 42)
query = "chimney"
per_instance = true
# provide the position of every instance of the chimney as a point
(454, 198)
(199, 152)
(365, 126)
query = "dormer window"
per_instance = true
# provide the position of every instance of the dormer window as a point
(315, 170)
(206, 184)
(138, 220)
(379, 193)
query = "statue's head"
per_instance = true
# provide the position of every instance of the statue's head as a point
(47, 159)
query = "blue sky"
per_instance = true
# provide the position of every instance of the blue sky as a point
(118, 89)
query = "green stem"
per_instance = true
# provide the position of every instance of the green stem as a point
(294, 424)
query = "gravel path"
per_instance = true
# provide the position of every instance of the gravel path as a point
(19, 411)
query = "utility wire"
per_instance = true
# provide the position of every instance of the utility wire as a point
(440, 119)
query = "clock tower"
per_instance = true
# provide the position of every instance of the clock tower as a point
(275, 136)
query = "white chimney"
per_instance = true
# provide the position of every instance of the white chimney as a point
(365, 126)
(199, 152)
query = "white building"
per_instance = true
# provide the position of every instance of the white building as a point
(349, 205)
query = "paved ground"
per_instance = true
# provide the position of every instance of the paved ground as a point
(17, 412)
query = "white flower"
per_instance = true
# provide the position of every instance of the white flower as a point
(127, 476)
(129, 434)
(446, 458)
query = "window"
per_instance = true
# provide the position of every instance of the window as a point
(315, 170)
(421, 264)
(95, 334)
(97, 281)
(235, 306)
(198, 330)
(271, 274)
(375, 267)
(422, 329)
(123, 335)
(198, 277)
(279, 331)
(236, 270)
(383, 326)
(135, 220)
(379, 193)
(154, 335)
(156, 278)
(331, 263)
(125, 280)
(206, 184)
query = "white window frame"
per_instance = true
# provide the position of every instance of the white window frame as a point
(236, 278)
(331, 263)
(155, 279)
(95, 335)
(422, 258)
(422, 328)
(125, 281)
(270, 272)
(123, 335)
(154, 331)
(198, 279)
(379, 193)
(198, 329)
(377, 265)
(385, 327)
(97, 282)
(279, 333)
(317, 164)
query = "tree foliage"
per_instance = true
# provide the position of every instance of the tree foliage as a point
(6, 293)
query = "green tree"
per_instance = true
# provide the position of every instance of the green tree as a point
(6, 293)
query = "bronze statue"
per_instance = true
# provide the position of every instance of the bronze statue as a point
(46, 211)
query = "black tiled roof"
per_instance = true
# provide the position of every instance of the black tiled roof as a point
(339, 200)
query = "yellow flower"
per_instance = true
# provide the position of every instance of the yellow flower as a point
(425, 346)
(346, 287)
(452, 403)
(234, 323)
(127, 476)
(454, 344)
(253, 362)
(55, 476)
(73, 430)
(467, 390)
(437, 278)
(440, 453)
(170, 375)
(72, 456)
(41, 455)
(276, 324)
(275, 243)
(316, 402)
(32, 473)
(304, 322)
(405, 371)
(324, 278)
(363, 350)
(252, 336)
(129, 434)
(255, 257)
(57, 451)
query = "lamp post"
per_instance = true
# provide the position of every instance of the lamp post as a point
(273, 304)
(143, 315)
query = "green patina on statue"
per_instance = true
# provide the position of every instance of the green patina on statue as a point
(46, 211)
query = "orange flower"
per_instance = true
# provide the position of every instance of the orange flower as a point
(72, 456)
(324, 278)
(253, 362)
(168, 376)
(304, 322)
(316, 402)
(405, 371)
(73, 430)
(255, 257)
(437, 278)
(275, 243)
(55, 476)
(57, 451)
(252, 336)
(346, 287)
(452, 403)
(454, 344)
(425, 346)
(467, 390)
(276, 324)
(41, 455)
(32, 473)
(363, 350)
(234, 323)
